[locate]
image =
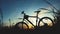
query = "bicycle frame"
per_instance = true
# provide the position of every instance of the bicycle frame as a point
(27, 16)
(40, 19)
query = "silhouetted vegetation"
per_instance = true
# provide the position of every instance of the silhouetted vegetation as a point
(43, 29)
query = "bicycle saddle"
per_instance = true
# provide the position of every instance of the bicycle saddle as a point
(37, 11)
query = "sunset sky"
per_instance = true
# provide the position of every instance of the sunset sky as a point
(12, 8)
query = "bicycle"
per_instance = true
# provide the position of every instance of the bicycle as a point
(26, 18)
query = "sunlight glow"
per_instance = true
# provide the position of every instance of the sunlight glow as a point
(49, 23)
(44, 13)
(41, 24)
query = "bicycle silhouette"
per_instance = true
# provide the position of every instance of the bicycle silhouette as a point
(37, 22)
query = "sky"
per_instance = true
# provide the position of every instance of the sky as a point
(12, 8)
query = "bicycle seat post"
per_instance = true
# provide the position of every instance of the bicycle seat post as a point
(37, 16)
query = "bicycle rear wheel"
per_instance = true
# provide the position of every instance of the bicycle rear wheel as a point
(22, 25)
(46, 21)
